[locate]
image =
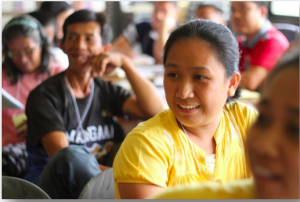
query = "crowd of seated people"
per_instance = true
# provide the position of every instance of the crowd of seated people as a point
(54, 60)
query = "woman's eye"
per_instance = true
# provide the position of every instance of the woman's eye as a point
(262, 120)
(71, 37)
(173, 75)
(293, 130)
(89, 39)
(198, 77)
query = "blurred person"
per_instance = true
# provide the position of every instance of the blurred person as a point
(261, 44)
(201, 136)
(48, 21)
(72, 126)
(272, 143)
(61, 10)
(211, 11)
(151, 36)
(26, 64)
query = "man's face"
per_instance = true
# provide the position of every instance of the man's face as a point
(246, 17)
(82, 41)
(210, 13)
(163, 10)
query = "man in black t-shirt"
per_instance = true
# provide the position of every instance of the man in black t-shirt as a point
(151, 36)
(71, 116)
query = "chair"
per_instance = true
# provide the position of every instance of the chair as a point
(290, 31)
(100, 187)
(17, 188)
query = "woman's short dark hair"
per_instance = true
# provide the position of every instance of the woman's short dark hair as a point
(221, 41)
(86, 15)
(26, 26)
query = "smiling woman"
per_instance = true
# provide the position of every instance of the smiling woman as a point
(201, 137)
(272, 144)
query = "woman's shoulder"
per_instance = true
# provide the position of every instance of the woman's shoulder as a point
(241, 109)
(155, 127)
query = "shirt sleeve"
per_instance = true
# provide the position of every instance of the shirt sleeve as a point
(142, 158)
(130, 33)
(266, 54)
(245, 115)
(43, 115)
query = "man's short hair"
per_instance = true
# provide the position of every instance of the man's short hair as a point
(86, 15)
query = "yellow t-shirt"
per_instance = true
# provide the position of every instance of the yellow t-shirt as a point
(158, 152)
(240, 189)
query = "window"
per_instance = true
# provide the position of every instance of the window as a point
(285, 8)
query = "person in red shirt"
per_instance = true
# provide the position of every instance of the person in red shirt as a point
(261, 44)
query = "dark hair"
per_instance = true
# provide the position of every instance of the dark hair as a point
(55, 7)
(221, 41)
(27, 26)
(46, 18)
(86, 15)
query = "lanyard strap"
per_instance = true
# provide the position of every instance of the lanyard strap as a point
(91, 96)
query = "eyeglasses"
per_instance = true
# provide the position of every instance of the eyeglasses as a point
(28, 52)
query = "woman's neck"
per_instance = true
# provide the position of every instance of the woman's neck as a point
(203, 136)
(80, 83)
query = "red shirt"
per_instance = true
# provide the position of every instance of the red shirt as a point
(264, 49)
(27, 83)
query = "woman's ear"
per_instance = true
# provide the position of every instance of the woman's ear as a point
(234, 83)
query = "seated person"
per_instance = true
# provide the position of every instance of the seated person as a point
(26, 64)
(71, 117)
(48, 21)
(151, 36)
(211, 11)
(200, 138)
(272, 144)
(261, 44)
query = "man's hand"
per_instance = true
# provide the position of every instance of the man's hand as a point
(167, 25)
(105, 63)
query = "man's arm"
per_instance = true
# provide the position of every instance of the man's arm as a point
(54, 141)
(163, 34)
(138, 191)
(146, 103)
(253, 77)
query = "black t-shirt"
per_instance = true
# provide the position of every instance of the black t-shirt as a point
(50, 108)
(147, 43)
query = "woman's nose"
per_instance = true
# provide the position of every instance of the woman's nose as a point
(185, 90)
